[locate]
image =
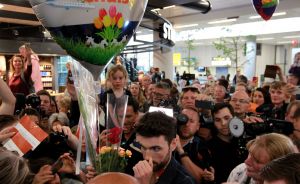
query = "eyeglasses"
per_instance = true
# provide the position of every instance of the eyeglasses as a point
(190, 88)
(159, 95)
(242, 101)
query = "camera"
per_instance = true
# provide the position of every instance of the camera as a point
(250, 130)
(181, 119)
(33, 101)
(58, 138)
(205, 104)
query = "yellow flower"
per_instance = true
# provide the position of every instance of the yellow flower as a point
(120, 22)
(102, 149)
(107, 149)
(266, 1)
(113, 21)
(122, 153)
(106, 21)
(128, 153)
(98, 24)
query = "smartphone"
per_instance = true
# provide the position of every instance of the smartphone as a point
(297, 93)
(271, 71)
(56, 166)
(70, 78)
(204, 104)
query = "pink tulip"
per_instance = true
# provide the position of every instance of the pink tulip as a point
(112, 11)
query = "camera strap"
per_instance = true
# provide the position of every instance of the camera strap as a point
(248, 180)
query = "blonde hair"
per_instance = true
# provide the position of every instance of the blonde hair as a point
(12, 68)
(64, 102)
(13, 168)
(141, 98)
(276, 145)
(116, 68)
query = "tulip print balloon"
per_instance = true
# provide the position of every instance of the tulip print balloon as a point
(92, 31)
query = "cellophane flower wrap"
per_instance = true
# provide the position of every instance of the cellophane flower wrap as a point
(113, 158)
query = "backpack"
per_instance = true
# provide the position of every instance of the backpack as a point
(29, 84)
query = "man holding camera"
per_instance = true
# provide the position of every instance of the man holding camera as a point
(192, 152)
(223, 147)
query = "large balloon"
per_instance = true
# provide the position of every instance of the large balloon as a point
(265, 8)
(92, 31)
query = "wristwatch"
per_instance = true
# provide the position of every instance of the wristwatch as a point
(184, 154)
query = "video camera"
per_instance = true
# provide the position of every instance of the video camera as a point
(250, 130)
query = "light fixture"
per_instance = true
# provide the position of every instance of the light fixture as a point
(185, 26)
(168, 7)
(1, 5)
(293, 36)
(222, 21)
(285, 42)
(264, 39)
(274, 15)
(155, 10)
(138, 32)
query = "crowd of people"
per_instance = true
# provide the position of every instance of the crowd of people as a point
(196, 145)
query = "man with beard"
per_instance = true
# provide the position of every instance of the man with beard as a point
(156, 135)
(191, 150)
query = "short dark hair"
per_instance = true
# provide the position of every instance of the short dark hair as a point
(7, 120)
(155, 124)
(243, 78)
(163, 85)
(30, 111)
(286, 168)
(44, 92)
(224, 83)
(133, 103)
(220, 106)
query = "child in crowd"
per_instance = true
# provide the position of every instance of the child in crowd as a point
(117, 77)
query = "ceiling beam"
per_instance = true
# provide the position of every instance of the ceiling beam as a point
(19, 9)
(19, 21)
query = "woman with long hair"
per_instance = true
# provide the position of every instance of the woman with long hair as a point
(19, 80)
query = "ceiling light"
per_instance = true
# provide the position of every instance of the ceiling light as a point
(155, 10)
(167, 7)
(285, 42)
(295, 36)
(138, 32)
(263, 39)
(274, 15)
(1, 5)
(185, 26)
(222, 21)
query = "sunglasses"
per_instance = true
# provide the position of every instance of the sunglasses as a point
(190, 88)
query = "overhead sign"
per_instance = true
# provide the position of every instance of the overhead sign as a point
(167, 31)
(220, 61)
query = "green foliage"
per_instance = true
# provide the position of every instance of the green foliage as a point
(112, 160)
(190, 46)
(110, 33)
(94, 55)
(229, 47)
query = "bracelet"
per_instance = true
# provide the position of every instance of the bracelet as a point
(185, 154)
